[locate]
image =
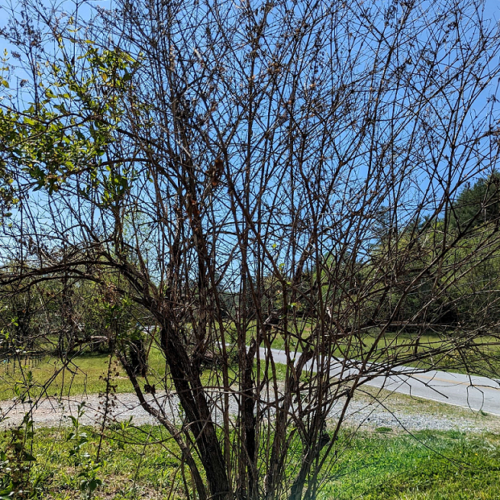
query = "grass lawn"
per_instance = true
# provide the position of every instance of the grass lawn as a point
(430, 465)
(88, 372)
(85, 375)
(143, 463)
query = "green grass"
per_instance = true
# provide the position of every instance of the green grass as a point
(135, 463)
(143, 463)
(431, 465)
(87, 373)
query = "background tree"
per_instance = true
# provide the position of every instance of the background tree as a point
(478, 204)
(196, 149)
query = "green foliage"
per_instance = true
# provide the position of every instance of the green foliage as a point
(16, 460)
(420, 262)
(478, 204)
(88, 467)
(69, 131)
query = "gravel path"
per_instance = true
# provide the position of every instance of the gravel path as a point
(367, 410)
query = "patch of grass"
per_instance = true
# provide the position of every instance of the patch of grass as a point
(87, 373)
(135, 463)
(383, 429)
(430, 465)
(144, 462)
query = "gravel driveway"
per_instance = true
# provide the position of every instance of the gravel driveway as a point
(371, 410)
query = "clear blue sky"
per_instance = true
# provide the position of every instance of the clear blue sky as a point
(492, 7)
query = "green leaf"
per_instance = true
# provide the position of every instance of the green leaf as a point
(94, 483)
(28, 457)
(6, 492)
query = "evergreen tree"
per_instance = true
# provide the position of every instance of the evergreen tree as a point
(478, 204)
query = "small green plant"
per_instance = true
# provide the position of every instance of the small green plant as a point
(23, 388)
(89, 468)
(16, 464)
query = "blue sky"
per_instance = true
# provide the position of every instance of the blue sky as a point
(492, 8)
(492, 11)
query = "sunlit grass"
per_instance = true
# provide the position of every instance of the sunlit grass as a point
(430, 465)
(89, 373)
(144, 463)
(49, 376)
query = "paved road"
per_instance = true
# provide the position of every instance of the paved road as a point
(477, 393)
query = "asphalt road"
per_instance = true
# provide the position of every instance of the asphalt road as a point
(476, 393)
